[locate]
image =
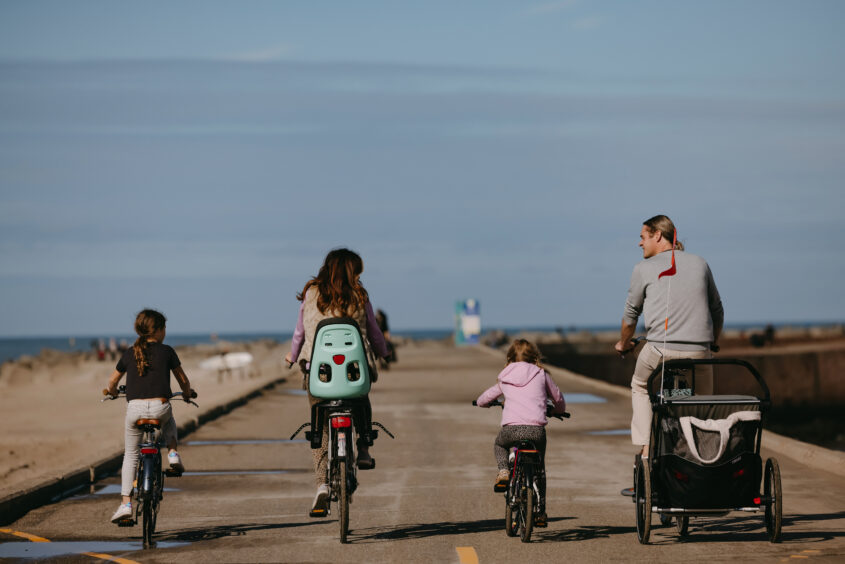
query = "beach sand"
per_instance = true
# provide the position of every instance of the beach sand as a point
(54, 422)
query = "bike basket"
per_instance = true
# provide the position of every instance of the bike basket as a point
(339, 367)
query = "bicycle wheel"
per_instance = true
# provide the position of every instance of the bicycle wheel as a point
(342, 501)
(682, 525)
(642, 495)
(774, 509)
(527, 498)
(511, 516)
(149, 495)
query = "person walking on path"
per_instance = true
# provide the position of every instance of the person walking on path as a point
(675, 293)
(336, 291)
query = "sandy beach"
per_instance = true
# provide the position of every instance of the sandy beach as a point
(54, 422)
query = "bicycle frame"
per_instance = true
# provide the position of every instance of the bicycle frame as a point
(149, 482)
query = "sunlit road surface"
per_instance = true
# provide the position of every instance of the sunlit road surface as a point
(429, 499)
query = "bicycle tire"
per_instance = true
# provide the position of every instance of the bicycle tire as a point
(343, 502)
(149, 495)
(642, 497)
(774, 509)
(527, 499)
(682, 525)
(511, 524)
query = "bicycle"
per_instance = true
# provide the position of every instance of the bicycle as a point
(342, 470)
(526, 468)
(149, 483)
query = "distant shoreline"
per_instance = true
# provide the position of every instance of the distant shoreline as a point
(13, 348)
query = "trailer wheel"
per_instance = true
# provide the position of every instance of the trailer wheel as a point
(774, 507)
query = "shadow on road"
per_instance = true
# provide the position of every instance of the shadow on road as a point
(581, 533)
(196, 534)
(424, 530)
(751, 528)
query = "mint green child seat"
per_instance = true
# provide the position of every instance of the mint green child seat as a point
(339, 368)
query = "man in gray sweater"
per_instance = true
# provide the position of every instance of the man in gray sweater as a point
(695, 316)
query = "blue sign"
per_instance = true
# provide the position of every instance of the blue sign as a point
(467, 322)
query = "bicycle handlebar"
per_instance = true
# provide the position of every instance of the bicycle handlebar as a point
(121, 393)
(497, 403)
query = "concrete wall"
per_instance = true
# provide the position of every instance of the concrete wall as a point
(812, 375)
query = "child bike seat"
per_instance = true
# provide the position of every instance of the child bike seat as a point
(153, 422)
(339, 368)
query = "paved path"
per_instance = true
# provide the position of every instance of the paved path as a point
(430, 498)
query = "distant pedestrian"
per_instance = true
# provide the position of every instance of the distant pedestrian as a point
(688, 330)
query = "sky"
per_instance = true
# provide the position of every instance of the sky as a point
(202, 157)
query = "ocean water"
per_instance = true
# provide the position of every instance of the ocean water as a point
(12, 348)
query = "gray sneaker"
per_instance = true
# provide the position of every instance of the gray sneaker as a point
(123, 513)
(320, 507)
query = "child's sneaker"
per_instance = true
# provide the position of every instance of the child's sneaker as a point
(123, 513)
(502, 479)
(175, 462)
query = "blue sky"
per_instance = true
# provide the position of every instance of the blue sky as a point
(202, 157)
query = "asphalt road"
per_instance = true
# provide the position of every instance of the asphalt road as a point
(247, 492)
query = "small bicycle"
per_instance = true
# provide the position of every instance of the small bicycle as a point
(149, 484)
(526, 469)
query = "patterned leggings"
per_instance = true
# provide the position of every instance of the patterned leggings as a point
(512, 434)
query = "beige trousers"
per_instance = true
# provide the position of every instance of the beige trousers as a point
(650, 358)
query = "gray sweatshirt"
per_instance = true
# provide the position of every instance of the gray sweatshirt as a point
(695, 308)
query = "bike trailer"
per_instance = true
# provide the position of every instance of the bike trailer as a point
(707, 455)
(339, 368)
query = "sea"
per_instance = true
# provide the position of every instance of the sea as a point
(12, 348)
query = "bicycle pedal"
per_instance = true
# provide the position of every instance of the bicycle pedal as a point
(126, 523)
(317, 513)
(500, 487)
(170, 473)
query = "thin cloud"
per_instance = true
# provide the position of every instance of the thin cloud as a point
(551, 7)
(267, 54)
(588, 23)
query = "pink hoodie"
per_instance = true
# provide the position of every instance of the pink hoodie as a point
(525, 387)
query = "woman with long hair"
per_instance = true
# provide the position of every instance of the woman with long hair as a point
(337, 291)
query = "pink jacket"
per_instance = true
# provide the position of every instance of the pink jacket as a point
(525, 387)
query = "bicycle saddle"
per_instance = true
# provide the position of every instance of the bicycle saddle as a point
(153, 422)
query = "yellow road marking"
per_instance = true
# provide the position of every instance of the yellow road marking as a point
(797, 556)
(26, 536)
(35, 538)
(467, 555)
(110, 558)
(811, 551)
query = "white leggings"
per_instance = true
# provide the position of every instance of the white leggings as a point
(143, 409)
(649, 359)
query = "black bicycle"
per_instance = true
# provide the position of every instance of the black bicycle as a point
(342, 482)
(526, 469)
(149, 484)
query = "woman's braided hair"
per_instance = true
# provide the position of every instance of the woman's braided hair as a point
(147, 323)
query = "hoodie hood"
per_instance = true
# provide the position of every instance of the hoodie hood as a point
(520, 373)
